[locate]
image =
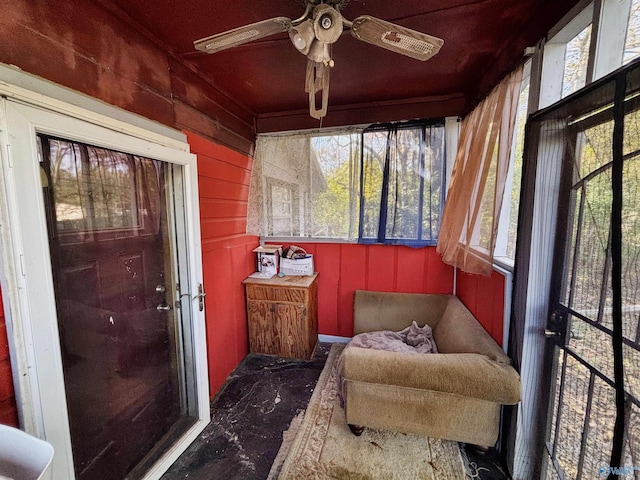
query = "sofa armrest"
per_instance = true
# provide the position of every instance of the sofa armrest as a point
(458, 331)
(466, 374)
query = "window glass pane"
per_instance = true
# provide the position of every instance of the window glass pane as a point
(373, 157)
(433, 185)
(575, 62)
(485, 223)
(405, 173)
(96, 189)
(334, 185)
(632, 43)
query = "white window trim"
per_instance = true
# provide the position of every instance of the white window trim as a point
(610, 39)
(554, 55)
(19, 274)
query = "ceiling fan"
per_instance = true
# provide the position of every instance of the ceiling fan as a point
(313, 35)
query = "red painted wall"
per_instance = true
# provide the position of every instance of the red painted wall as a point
(227, 257)
(96, 49)
(484, 297)
(345, 268)
(8, 411)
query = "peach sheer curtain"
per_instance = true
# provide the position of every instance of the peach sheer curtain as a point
(472, 209)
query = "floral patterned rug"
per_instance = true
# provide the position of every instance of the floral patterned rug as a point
(319, 445)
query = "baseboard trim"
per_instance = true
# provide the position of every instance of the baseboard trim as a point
(333, 339)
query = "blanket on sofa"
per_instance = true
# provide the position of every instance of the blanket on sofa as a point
(413, 339)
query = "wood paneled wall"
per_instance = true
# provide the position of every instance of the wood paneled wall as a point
(345, 268)
(227, 257)
(484, 297)
(96, 49)
(8, 411)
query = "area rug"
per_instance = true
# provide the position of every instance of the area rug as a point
(320, 445)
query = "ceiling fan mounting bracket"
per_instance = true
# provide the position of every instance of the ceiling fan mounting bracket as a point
(337, 4)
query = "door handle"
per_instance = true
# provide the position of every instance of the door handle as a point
(163, 307)
(200, 296)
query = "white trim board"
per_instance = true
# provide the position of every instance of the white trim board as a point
(30, 89)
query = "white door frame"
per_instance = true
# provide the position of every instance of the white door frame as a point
(25, 267)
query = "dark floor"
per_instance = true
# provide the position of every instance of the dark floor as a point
(253, 408)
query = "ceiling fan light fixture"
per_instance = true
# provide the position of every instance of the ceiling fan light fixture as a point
(313, 35)
(302, 36)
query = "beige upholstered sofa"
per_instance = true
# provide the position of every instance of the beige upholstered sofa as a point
(455, 394)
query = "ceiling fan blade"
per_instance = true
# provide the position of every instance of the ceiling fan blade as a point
(242, 35)
(393, 37)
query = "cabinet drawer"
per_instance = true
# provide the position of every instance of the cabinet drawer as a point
(278, 294)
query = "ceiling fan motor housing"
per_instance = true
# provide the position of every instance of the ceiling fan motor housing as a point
(327, 23)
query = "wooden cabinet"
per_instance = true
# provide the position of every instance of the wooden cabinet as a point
(282, 313)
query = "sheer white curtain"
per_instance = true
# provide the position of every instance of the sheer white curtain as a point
(280, 182)
(306, 185)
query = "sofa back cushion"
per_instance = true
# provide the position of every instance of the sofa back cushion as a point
(458, 331)
(374, 311)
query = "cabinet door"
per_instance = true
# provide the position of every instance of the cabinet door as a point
(263, 327)
(292, 321)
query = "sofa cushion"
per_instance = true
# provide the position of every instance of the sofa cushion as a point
(464, 374)
(375, 311)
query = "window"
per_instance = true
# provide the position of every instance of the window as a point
(96, 191)
(315, 186)
(568, 57)
(474, 201)
(575, 62)
(576, 58)
(335, 172)
(283, 199)
(402, 184)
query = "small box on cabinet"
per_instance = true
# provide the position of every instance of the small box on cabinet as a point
(268, 259)
(297, 266)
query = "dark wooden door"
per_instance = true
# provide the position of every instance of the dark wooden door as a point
(111, 263)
